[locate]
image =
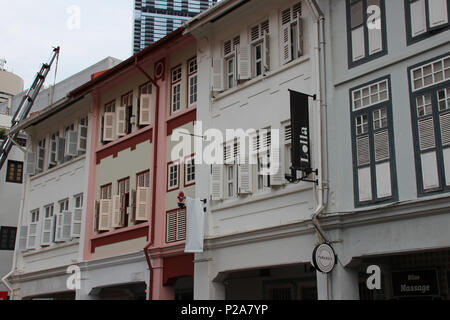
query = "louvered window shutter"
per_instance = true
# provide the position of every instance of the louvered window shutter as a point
(217, 182)
(71, 148)
(426, 134)
(286, 43)
(109, 119)
(116, 206)
(363, 150)
(171, 233)
(445, 128)
(244, 63)
(245, 177)
(276, 163)
(82, 139)
(31, 163)
(67, 225)
(181, 225)
(75, 231)
(218, 82)
(61, 149)
(33, 232)
(300, 34)
(266, 46)
(47, 231)
(105, 214)
(58, 227)
(120, 121)
(142, 203)
(23, 238)
(381, 141)
(145, 109)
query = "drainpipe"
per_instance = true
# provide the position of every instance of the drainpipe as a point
(155, 157)
(319, 52)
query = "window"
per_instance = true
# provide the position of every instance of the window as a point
(261, 149)
(424, 18)
(230, 181)
(291, 34)
(67, 132)
(173, 176)
(430, 101)
(14, 172)
(106, 191)
(176, 89)
(144, 105)
(63, 205)
(40, 155)
(124, 193)
(143, 179)
(33, 230)
(230, 49)
(189, 171)
(230, 154)
(48, 226)
(7, 238)
(53, 149)
(192, 81)
(373, 150)
(110, 106)
(78, 200)
(124, 116)
(82, 135)
(366, 33)
(259, 47)
(176, 226)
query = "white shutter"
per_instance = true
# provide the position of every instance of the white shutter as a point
(266, 46)
(75, 230)
(71, 147)
(418, 18)
(116, 211)
(58, 218)
(105, 215)
(82, 139)
(286, 42)
(47, 231)
(245, 177)
(108, 126)
(375, 41)
(120, 121)
(364, 184)
(244, 63)
(181, 225)
(381, 142)
(61, 142)
(142, 203)
(67, 225)
(218, 75)
(358, 47)
(276, 164)
(23, 238)
(300, 35)
(171, 232)
(33, 233)
(363, 150)
(430, 174)
(31, 163)
(383, 173)
(438, 12)
(217, 182)
(145, 109)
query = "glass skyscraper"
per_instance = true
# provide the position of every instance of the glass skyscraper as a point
(154, 19)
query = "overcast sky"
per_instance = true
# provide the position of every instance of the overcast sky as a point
(30, 28)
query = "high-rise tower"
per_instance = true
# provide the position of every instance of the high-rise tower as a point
(153, 19)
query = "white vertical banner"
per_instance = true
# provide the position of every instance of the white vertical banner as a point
(195, 220)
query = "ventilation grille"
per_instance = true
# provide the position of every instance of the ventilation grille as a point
(445, 129)
(381, 146)
(363, 151)
(426, 134)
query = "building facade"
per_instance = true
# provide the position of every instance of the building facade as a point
(259, 235)
(155, 19)
(388, 73)
(135, 231)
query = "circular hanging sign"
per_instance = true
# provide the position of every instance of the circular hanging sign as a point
(159, 70)
(324, 258)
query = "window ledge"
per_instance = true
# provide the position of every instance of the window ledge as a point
(121, 230)
(181, 113)
(260, 78)
(124, 138)
(52, 247)
(58, 167)
(260, 196)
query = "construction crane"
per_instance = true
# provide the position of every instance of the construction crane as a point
(26, 104)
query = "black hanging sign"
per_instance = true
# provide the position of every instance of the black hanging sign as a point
(301, 156)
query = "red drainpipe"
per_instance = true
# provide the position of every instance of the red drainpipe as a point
(155, 157)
